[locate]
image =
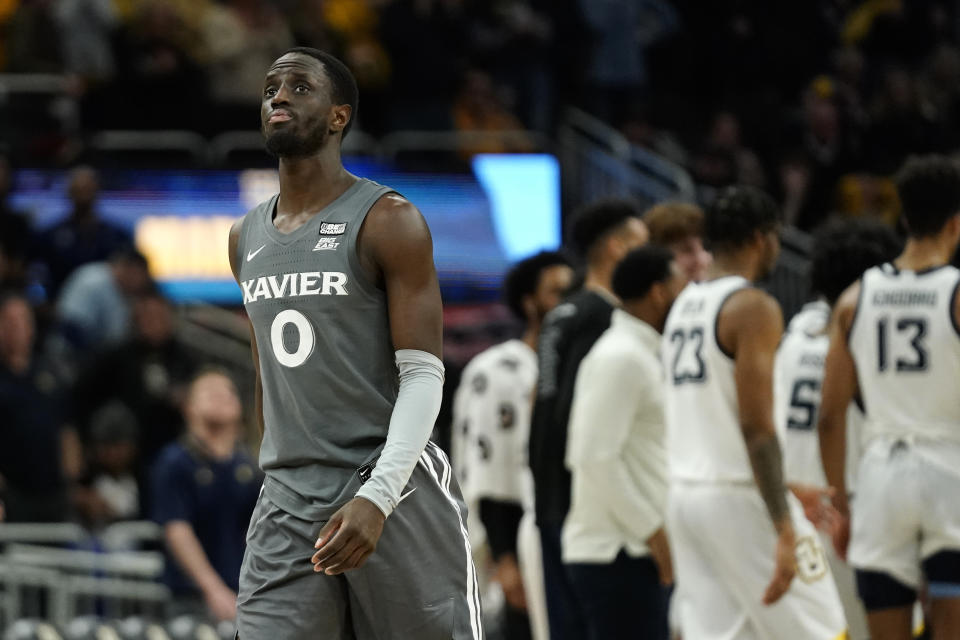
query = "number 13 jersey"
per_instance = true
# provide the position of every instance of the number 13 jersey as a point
(905, 343)
(704, 441)
(326, 356)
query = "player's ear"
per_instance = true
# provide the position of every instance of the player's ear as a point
(529, 307)
(342, 113)
(953, 225)
(658, 293)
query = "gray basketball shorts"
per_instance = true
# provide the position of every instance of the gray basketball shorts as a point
(419, 584)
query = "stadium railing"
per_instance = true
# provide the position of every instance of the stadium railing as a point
(41, 576)
(598, 161)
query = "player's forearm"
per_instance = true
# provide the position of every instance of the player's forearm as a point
(766, 459)
(833, 452)
(415, 411)
(190, 556)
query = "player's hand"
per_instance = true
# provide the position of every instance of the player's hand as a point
(816, 504)
(660, 550)
(349, 537)
(222, 602)
(785, 566)
(841, 535)
(508, 575)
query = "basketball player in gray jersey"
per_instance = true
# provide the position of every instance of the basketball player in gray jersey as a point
(360, 530)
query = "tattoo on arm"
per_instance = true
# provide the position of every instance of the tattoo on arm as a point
(767, 462)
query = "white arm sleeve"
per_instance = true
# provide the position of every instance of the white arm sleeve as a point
(416, 409)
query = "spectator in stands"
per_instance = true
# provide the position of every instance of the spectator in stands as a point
(14, 235)
(725, 135)
(602, 233)
(421, 35)
(156, 62)
(479, 108)
(241, 38)
(639, 127)
(828, 147)
(899, 124)
(109, 491)
(87, 28)
(513, 39)
(679, 227)
(204, 490)
(35, 41)
(93, 309)
(620, 32)
(149, 374)
(83, 237)
(39, 452)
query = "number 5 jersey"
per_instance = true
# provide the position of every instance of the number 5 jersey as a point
(798, 376)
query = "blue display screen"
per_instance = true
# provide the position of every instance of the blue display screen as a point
(508, 207)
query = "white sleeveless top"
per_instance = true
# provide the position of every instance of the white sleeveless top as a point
(704, 440)
(798, 378)
(905, 343)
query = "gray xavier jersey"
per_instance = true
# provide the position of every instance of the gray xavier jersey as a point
(326, 357)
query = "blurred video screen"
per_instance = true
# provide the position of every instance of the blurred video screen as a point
(505, 208)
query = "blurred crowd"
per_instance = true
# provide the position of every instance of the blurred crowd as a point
(817, 102)
(107, 415)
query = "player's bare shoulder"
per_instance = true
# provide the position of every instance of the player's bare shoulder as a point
(393, 231)
(748, 312)
(233, 243)
(394, 217)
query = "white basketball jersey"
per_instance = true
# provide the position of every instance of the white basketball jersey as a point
(798, 377)
(491, 424)
(905, 343)
(704, 441)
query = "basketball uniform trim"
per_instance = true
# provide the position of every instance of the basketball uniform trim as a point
(716, 321)
(952, 308)
(856, 310)
(360, 275)
(443, 481)
(242, 240)
(923, 272)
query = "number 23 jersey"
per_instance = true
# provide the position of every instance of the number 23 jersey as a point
(704, 441)
(905, 343)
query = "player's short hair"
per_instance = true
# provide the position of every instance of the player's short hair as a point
(735, 215)
(640, 269)
(670, 222)
(929, 190)
(524, 276)
(844, 248)
(595, 221)
(341, 78)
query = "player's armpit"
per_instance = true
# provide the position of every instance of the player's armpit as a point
(233, 243)
(396, 239)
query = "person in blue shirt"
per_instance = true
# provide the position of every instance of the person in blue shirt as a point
(204, 490)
